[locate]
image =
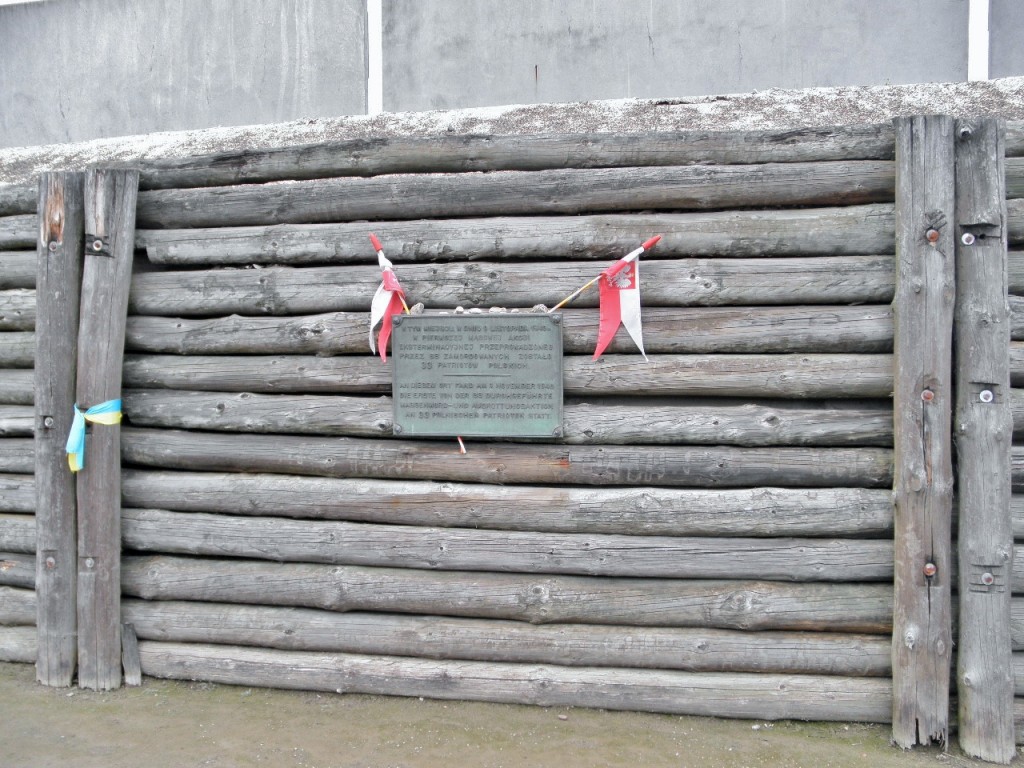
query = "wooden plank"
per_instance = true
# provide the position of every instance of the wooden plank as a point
(718, 330)
(668, 283)
(983, 439)
(18, 644)
(18, 569)
(1015, 221)
(1016, 364)
(17, 493)
(18, 533)
(17, 607)
(17, 455)
(567, 191)
(619, 423)
(710, 466)
(692, 650)
(1014, 138)
(1014, 176)
(766, 697)
(16, 386)
(465, 549)
(453, 154)
(130, 655)
(17, 269)
(17, 309)
(740, 605)
(1015, 269)
(17, 421)
(635, 510)
(753, 375)
(18, 231)
(110, 198)
(923, 487)
(848, 231)
(17, 349)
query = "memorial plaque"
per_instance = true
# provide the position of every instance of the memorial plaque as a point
(477, 375)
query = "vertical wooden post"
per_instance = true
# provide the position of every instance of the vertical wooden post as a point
(109, 247)
(983, 431)
(58, 280)
(923, 398)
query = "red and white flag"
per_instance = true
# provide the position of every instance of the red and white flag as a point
(387, 301)
(620, 300)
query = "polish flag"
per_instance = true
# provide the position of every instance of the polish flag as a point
(620, 300)
(387, 301)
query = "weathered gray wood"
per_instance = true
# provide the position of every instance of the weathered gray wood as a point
(465, 549)
(452, 154)
(17, 607)
(849, 230)
(17, 455)
(17, 309)
(18, 644)
(759, 605)
(16, 386)
(130, 655)
(17, 198)
(1017, 468)
(17, 421)
(17, 493)
(1017, 515)
(110, 202)
(1014, 138)
(1015, 269)
(754, 375)
(923, 487)
(619, 424)
(677, 282)
(983, 437)
(17, 269)
(708, 650)
(18, 231)
(1014, 176)
(637, 510)
(507, 463)
(753, 696)
(1015, 221)
(666, 331)
(18, 533)
(18, 569)
(17, 349)
(511, 193)
(1016, 319)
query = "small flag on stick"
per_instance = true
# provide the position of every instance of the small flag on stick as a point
(387, 301)
(620, 300)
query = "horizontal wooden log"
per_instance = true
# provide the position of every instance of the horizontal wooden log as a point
(849, 231)
(1014, 176)
(17, 493)
(720, 330)
(519, 193)
(507, 463)
(1018, 720)
(760, 605)
(708, 650)
(17, 269)
(1017, 515)
(17, 421)
(682, 282)
(453, 154)
(17, 607)
(18, 198)
(464, 549)
(17, 533)
(17, 349)
(1017, 411)
(1018, 674)
(1016, 317)
(646, 510)
(18, 231)
(1017, 468)
(17, 309)
(1014, 143)
(768, 697)
(755, 375)
(583, 424)
(18, 644)
(18, 569)
(1017, 363)
(1015, 268)
(1015, 221)
(17, 455)
(16, 386)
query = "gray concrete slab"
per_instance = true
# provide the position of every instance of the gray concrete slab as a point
(1006, 38)
(72, 70)
(444, 54)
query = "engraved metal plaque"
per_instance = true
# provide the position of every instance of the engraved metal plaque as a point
(477, 375)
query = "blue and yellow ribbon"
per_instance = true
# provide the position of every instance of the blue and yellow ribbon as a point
(105, 413)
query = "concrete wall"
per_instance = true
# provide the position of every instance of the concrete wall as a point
(81, 69)
(462, 53)
(1006, 38)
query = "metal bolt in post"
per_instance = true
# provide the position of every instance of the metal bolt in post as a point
(930, 569)
(967, 238)
(986, 396)
(988, 579)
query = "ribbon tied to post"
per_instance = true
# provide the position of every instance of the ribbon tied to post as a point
(107, 413)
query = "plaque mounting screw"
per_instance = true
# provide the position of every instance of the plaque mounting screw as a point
(556, 319)
(396, 320)
(985, 396)
(397, 429)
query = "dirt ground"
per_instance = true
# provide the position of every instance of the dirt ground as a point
(170, 723)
